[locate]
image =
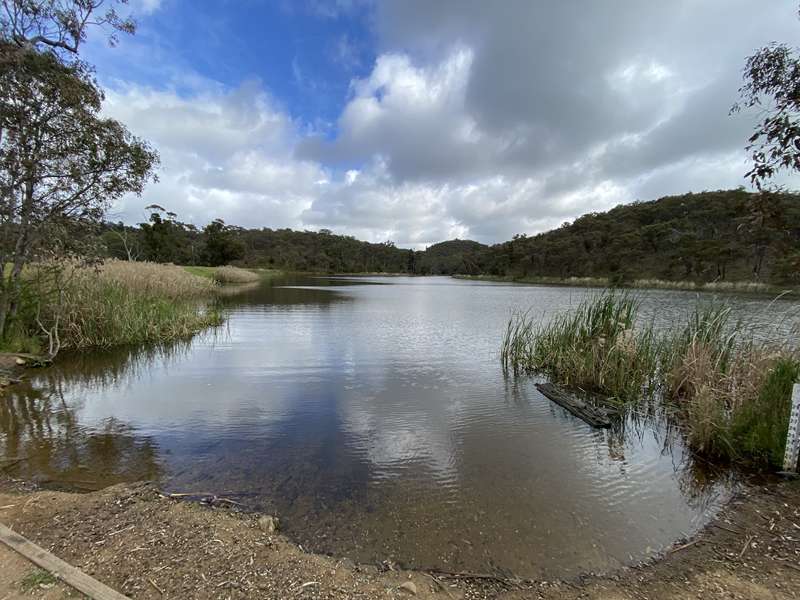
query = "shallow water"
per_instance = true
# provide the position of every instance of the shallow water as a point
(372, 415)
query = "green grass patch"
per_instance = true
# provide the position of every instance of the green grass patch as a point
(231, 275)
(758, 429)
(207, 272)
(37, 580)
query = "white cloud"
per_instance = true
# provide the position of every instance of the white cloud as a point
(225, 153)
(145, 7)
(475, 121)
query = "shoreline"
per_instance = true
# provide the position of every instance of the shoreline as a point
(147, 545)
(722, 287)
(729, 287)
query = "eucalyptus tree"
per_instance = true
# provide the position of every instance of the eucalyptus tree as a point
(60, 25)
(772, 85)
(62, 163)
(222, 243)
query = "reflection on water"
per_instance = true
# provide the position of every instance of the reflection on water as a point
(42, 440)
(375, 420)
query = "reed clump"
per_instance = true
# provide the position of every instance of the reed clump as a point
(234, 275)
(116, 302)
(730, 394)
(595, 348)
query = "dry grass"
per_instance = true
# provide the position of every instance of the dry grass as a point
(734, 393)
(749, 287)
(154, 279)
(233, 275)
(118, 302)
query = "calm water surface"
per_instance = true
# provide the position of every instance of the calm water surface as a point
(372, 415)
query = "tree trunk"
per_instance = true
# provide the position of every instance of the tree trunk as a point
(11, 283)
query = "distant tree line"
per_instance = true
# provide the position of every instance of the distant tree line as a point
(710, 236)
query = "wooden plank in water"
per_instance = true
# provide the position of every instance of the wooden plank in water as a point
(64, 571)
(594, 416)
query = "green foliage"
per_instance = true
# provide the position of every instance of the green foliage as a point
(60, 26)
(758, 429)
(37, 580)
(595, 348)
(771, 84)
(716, 239)
(323, 252)
(221, 245)
(729, 394)
(164, 239)
(707, 237)
(462, 257)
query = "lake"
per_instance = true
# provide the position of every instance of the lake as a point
(372, 416)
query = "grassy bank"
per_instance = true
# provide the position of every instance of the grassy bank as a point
(228, 275)
(728, 392)
(68, 306)
(744, 287)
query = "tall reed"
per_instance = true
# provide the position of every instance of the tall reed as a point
(729, 393)
(117, 302)
(732, 392)
(596, 347)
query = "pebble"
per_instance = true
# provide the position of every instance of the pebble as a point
(409, 587)
(269, 524)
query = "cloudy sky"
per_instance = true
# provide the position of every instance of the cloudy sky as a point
(421, 121)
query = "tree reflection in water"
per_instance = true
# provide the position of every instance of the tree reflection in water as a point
(42, 440)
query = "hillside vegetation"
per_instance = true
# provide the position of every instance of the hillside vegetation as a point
(711, 236)
(722, 236)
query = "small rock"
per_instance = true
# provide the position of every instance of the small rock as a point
(409, 588)
(21, 361)
(269, 524)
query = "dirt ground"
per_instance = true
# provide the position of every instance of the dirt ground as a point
(148, 546)
(21, 580)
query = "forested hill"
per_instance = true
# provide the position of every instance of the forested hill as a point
(709, 236)
(452, 257)
(724, 235)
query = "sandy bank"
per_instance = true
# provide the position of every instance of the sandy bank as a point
(148, 546)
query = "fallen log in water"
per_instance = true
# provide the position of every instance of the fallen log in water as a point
(593, 415)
